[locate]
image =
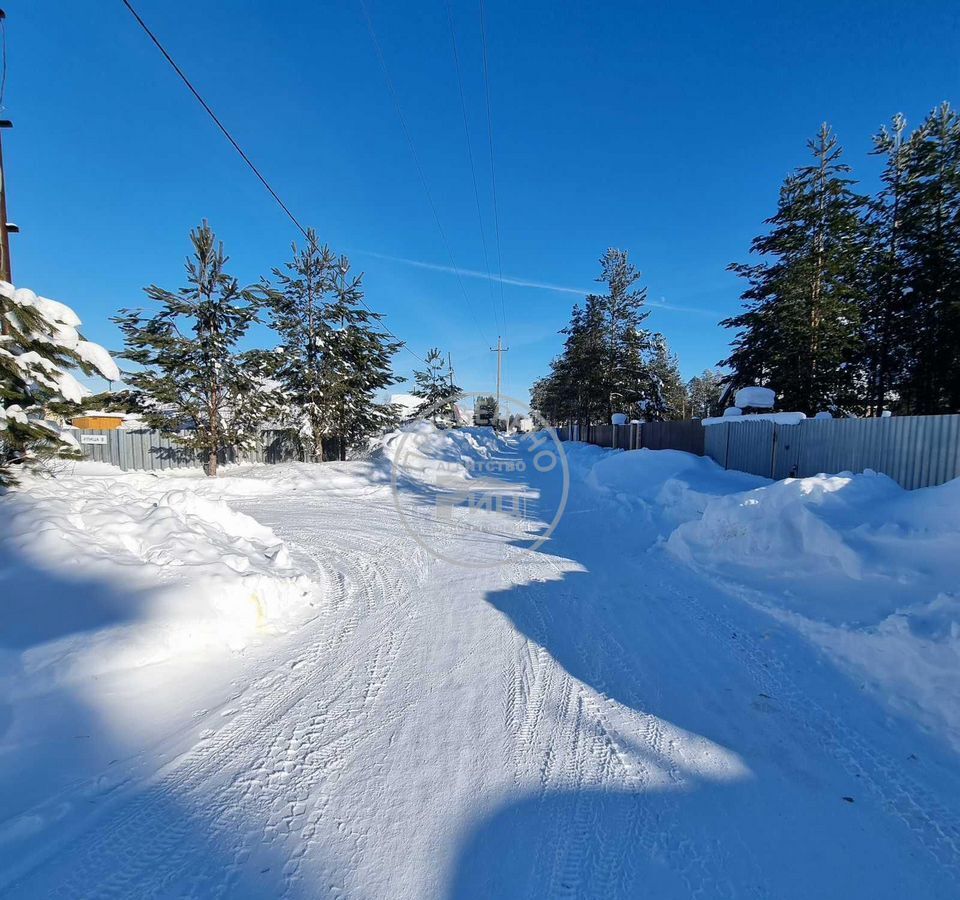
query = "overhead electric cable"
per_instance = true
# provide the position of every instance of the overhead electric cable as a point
(247, 159)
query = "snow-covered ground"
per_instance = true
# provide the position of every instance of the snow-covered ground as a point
(264, 685)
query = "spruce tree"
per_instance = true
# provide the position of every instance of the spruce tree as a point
(39, 347)
(800, 331)
(193, 379)
(433, 386)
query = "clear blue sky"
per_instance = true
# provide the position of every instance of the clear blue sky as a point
(642, 125)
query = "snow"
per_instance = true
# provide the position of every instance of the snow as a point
(755, 396)
(704, 683)
(779, 418)
(99, 358)
(408, 404)
(197, 573)
(862, 567)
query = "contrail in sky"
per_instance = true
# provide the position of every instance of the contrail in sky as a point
(518, 282)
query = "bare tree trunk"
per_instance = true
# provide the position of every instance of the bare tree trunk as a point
(212, 462)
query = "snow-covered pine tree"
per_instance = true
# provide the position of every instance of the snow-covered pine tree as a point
(193, 380)
(433, 387)
(39, 345)
(704, 391)
(800, 331)
(930, 241)
(302, 366)
(357, 356)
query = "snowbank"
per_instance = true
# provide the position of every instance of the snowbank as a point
(669, 485)
(105, 573)
(422, 451)
(868, 571)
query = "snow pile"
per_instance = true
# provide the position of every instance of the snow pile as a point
(759, 397)
(101, 574)
(434, 455)
(867, 570)
(670, 486)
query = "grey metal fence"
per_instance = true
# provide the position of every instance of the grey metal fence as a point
(144, 449)
(916, 451)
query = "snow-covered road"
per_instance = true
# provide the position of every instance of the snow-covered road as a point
(593, 719)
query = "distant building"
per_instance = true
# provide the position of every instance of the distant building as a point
(98, 421)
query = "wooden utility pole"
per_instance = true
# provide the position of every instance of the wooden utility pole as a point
(499, 350)
(6, 270)
(450, 370)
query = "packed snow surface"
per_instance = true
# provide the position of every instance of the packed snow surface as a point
(703, 684)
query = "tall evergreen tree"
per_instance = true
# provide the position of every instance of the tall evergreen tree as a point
(433, 386)
(193, 379)
(704, 391)
(357, 364)
(930, 243)
(626, 379)
(883, 316)
(297, 313)
(800, 331)
(608, 359)
(667, 398)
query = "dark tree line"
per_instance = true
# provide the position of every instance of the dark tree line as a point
(854, 305)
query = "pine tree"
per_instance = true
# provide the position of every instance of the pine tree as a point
(883, 330)
(434, 386)
(39, 346)
(605, 366)
(193, 380)
(930, 242)
(357, 357)
(667, 399)
(625, 377)
(800, 331)
(297, 313)
(704, 391)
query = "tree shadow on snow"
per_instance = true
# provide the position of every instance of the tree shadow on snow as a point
(88, 808)
(715, 752)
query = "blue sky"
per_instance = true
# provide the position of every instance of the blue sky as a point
(646, 126)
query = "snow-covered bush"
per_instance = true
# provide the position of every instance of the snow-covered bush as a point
(39, 345)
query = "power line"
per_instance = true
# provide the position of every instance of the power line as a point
(493, 171)
(247, 159)
(473, 169)
(416, 159)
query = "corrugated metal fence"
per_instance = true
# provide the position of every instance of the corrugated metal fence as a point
(916, 451)
(144, 449)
